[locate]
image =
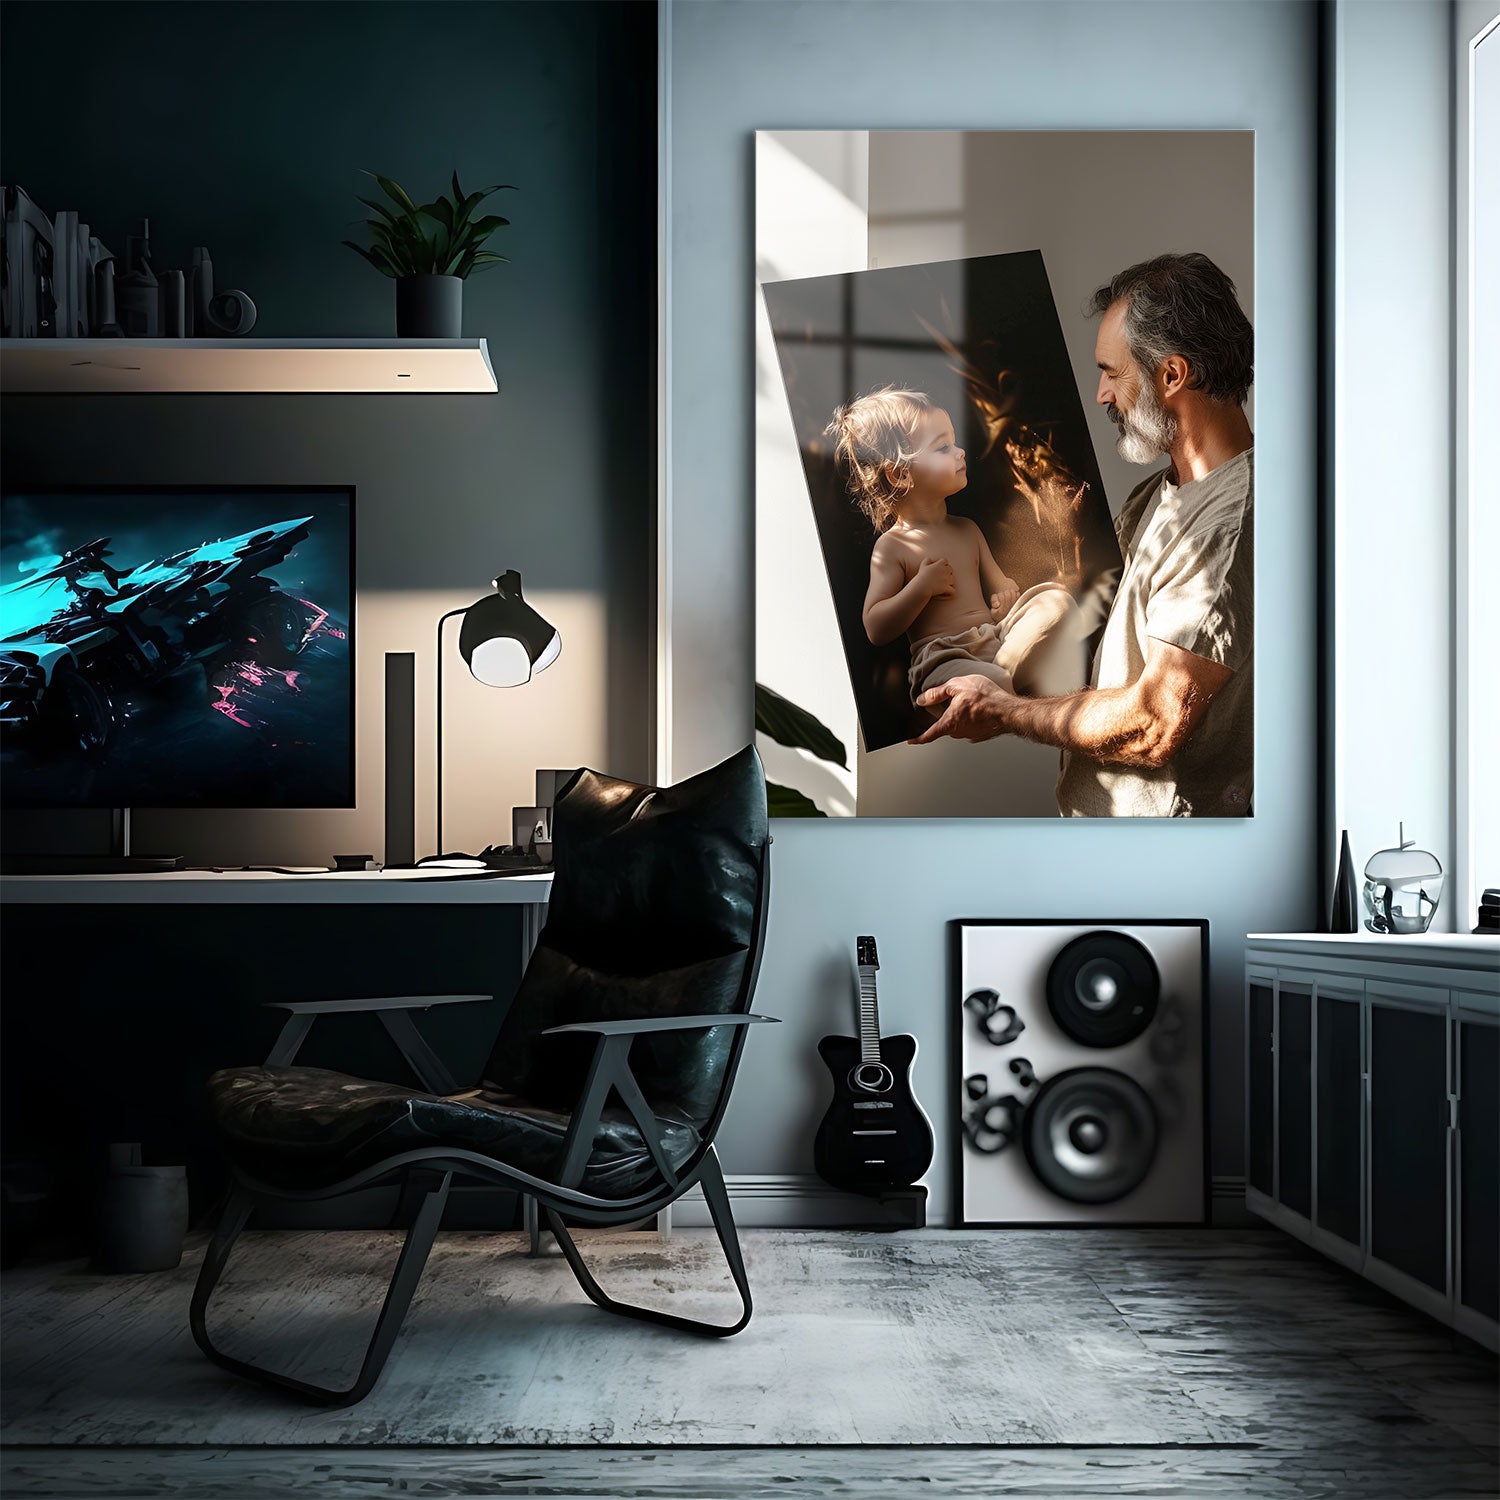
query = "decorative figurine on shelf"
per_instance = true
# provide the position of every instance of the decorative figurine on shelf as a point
(1402, 888)
(137, 292)
(173, 305)
(1489, 912)
(102, 321)
(223, 314)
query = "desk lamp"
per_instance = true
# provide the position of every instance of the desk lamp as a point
(505, 643)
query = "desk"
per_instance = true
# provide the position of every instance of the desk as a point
(260, 887)
(122, 993)
(266, 885)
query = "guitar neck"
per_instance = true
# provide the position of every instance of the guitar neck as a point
(869, 1016)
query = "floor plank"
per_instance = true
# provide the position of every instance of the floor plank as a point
(748, 1474)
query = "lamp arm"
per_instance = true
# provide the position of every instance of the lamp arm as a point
(443, 620)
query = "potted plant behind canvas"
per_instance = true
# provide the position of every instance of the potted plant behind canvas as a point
(429, 249)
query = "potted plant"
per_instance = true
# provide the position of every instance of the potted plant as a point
(429, 249)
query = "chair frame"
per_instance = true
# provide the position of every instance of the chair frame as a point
(427, 1173)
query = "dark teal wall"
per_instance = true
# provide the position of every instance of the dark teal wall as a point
(244, 127)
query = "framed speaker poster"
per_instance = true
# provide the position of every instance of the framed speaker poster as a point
(1080, 1059)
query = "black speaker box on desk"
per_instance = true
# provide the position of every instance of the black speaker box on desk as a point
(400, 759)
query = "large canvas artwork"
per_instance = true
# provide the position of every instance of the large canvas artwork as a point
(957, 481)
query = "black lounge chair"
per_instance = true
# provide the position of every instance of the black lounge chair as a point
(607, 1082)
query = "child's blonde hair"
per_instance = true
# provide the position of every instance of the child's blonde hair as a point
(873, 432)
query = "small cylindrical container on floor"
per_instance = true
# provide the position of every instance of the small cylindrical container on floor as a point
(143, 1215)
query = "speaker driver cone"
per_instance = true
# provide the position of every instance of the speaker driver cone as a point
(1103, 989)
(1090, 1135)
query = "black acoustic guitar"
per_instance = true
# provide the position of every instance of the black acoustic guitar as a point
(874, 1135)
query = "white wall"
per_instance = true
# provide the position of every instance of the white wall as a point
(1476, 46)
(733, 66)
(1393, 429)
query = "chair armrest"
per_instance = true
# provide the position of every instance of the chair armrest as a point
(610, 1070)
(379, 1002)
(428, 1067)
(662, 1023)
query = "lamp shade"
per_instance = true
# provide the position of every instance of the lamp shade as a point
(504, 641)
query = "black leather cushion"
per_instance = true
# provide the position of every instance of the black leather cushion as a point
(649, 878)
(306, 1127)
(683, 1068)
(653, 912)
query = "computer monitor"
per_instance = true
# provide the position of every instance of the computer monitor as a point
(177, 647)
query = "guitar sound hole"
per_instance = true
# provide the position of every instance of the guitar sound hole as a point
(871, 1078)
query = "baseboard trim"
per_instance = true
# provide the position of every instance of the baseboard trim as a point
(787, 1200)
(1227, 1208)
(801, 1200)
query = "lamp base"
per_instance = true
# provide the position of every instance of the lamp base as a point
(501, 861)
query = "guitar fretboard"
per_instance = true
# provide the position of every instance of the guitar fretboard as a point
(869, 1016)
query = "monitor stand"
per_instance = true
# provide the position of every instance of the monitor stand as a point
(119, 860)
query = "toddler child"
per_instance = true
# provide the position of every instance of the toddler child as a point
(932, 575)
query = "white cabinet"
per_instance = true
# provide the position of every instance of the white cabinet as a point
(1372, 1087)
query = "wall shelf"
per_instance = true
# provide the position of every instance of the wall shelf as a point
(200, 366)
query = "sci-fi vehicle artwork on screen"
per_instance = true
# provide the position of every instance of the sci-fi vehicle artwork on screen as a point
(78, 634)
(202, 666)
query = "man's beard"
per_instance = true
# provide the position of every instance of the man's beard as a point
(1147, 430)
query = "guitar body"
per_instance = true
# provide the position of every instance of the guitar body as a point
(874, 1135)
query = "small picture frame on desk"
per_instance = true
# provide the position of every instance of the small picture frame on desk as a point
(529, 826)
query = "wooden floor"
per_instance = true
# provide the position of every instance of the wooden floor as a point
(1328, 1386)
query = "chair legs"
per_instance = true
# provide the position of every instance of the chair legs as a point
(414, 1252)
(717, 1196)
(433, 1191)
(531, 1222)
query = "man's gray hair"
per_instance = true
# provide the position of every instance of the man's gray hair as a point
(1184, 304)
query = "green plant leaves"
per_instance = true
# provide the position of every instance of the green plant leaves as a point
(395, 192)
(375, 256)
(787, 802)
(483, 259)
(440, 238)
(389, 218)
(795, 727)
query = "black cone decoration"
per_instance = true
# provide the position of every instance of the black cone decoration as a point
(1345, 917)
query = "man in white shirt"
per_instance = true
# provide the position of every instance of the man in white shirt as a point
(1166, 728)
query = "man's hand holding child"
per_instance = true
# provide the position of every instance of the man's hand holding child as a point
(973, 708)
